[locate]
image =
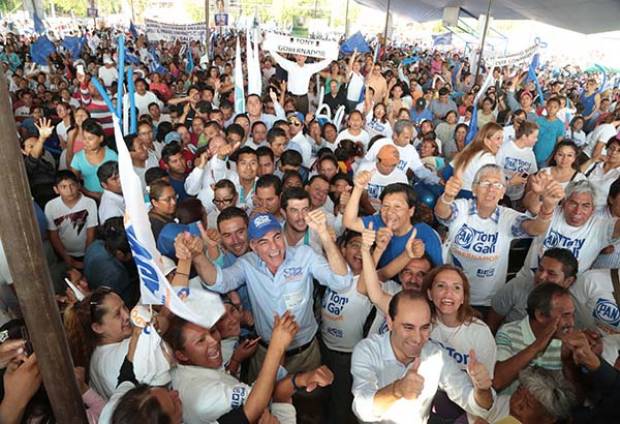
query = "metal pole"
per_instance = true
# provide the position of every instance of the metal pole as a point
(133, 13)
(346, 21)
(484, 37)
(33, 284)
(207, 28)
(387, 21)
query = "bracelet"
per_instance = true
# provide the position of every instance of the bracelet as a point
(296, 388)
(182, 273)
(443, 200)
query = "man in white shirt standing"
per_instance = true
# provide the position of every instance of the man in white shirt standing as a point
(299, 75)
(396, 374)
(107, 73)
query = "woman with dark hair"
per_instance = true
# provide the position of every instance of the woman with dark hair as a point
(603, 171)
(164, 205)
(86, 162)
(457, 143)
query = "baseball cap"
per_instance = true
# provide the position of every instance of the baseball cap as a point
(298, 115)
(165, 241)
(443, 91)
(172, 136)
(261, 224)
(388, 155)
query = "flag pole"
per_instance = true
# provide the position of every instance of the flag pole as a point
(484, 37)
(387, 22)
(33, 284)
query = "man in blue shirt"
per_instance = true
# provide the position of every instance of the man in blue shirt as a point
(279, 278)
(394, 220)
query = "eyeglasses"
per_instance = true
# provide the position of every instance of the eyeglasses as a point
(223, 201)
(488, 184)
(295, 123)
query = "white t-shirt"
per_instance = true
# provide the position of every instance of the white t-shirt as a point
(584, 242)
(72, 223)
(354, 89)
(509, 134)
(306, 148)
(207, 394)
(601, 182)
(596, 308)
(343, 316)
(458, 341)
(577, 177)
(362, 137)
(379, 181)
(481, 246)
(111, 205)
(478, 161)
(375, 127)
(600, 134)
(61, 131)
(105, 366)
(516, 160)
(108, 75)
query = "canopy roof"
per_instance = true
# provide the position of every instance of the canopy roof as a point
(584, 16)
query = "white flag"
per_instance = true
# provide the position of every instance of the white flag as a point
(238, 76)
(154, 287)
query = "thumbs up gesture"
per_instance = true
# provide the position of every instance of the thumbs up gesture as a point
(453, 186)
(478, 373)
(411, 385)
(414, 247)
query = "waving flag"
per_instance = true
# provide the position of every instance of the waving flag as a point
(74, 45)
(473, 124)
(132, 30)
(444, 39)
(39, 28)
(355, 42)
(238, 76)
(154, 287)
(41, 49)
(154, 63)
(189, 67)
(531, 76)
(253, 65)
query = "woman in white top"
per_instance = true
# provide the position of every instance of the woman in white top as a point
(602, 172)
(575, 131)
(480, 152)
(562, 166)
(98, 331)
(377, 122)
(65, 113)
(456, 326)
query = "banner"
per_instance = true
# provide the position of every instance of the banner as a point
(288, 44)
(444, 39)
(171, 32)
(238, 77)
(524, 56)
(154, 287)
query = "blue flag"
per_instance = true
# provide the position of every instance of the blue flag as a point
(74, 45)
(132, 59)
(355, 42)
(41, 49)
(444, 39)
(155, 65)
(39, 28)
(189, 67)
(133, 30)
(531, 76)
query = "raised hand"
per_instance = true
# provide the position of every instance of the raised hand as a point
(45, 128)
(384, 236)
(368, 238)
(320, 377)
(273, 96)
(284, 330)
(415, 247)
(539, 181)
(245, 350)
(552, 195)
(478, 373)
(453, 186)
(227, 149)
(411, 385)
(362, 179)
(317, 221)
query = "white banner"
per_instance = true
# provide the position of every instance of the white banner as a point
(154, 286)
(524, 56)
(171, 32)
(288, 44)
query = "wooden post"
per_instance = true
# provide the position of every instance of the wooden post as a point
(24, 252)
(207, 38)
(387, 23)
(346, 22)
(484, 37)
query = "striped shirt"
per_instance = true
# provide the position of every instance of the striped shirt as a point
(514, 337)
(98, 110)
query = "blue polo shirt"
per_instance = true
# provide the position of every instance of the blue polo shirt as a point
(432, 243)
(548, 136)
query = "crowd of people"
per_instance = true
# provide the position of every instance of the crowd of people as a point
(395, 267)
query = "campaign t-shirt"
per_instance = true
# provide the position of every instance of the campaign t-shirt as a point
(596, 308)
(362, 137)
(432, 243)
(379, 324)
(459, 341)
(584, 242)
(378, 181)
(516, 160)
(72, 223)
(481, 246)
(343, 316)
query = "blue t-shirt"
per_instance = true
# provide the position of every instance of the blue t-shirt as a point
(418, 117)
(89, 171)
(548, 136)
(432, 244)
(179, 188)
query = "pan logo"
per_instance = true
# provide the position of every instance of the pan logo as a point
(556, 239)
(607, 312)
(471, 239)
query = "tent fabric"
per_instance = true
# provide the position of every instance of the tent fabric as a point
(356, 41)
(588, 17)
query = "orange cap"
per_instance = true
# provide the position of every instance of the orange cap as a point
(388, 155)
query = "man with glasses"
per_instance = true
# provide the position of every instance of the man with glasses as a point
(480, 231)
(297, 136)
